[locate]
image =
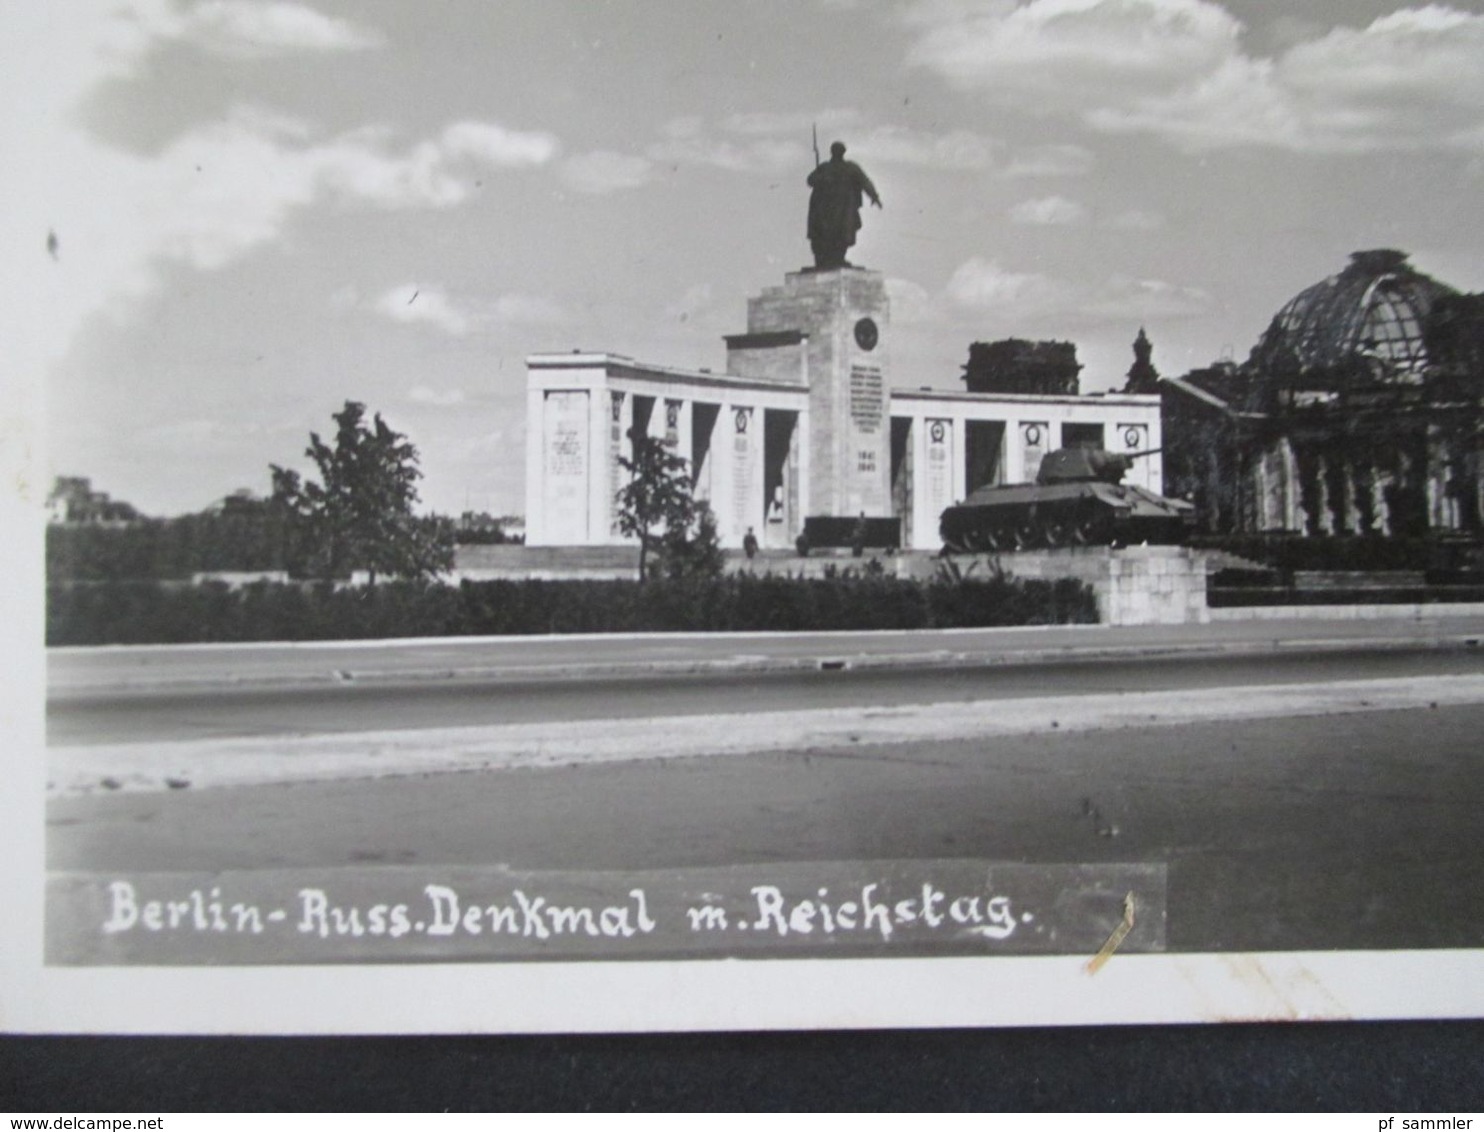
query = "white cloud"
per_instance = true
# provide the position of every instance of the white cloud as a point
(239, 27)
(220, 191)
(957, 149)
(1137, 220)
(911, 304)
(1067, 52)
(210, 195)
(1122, 298)
(826, 123)
(1236, 104)
(413, 304)
(196, 433)
(1415, 77)
(1178, 69)
(1052, 161)
(1048, 211)
(427, 395)
(198, 436)
(529, 310)
(981, 283)
(603, 171)
(430, 305)
(773, 143)
(497, 146)
(697, 299)
(434, 173)
(687, 141)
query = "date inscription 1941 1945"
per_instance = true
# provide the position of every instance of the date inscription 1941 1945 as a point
(390, 914)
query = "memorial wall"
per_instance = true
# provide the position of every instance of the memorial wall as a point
(805, 424)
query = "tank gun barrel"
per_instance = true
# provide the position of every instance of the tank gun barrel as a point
(1120, 462)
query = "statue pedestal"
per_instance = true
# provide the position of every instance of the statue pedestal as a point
(840, 322)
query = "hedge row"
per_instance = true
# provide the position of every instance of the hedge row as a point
(1288, 553)
(166, 548)
(175, 549)
(154, 613)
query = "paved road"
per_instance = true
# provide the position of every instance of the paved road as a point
(182, 712)
(1353, 823)
(89, 671)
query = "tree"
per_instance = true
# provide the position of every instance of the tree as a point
(691, 551)
(657, 506)
(360, 516)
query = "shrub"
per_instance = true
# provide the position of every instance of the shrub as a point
(154, 612)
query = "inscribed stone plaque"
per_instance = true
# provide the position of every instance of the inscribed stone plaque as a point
(938, 481)
(865, 398)
(1034, 437)
(564, 446)
(1135, 438)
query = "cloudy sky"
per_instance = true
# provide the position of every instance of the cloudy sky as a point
(263, 208)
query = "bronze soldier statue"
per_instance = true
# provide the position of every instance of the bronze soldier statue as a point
(835, 207)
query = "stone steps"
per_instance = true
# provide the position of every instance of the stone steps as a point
(514, 557)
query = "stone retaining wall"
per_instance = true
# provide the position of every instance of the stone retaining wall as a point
(1137, 585)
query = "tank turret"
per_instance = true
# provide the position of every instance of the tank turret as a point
(1088, 465)
(1078, 499)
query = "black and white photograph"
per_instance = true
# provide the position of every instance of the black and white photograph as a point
(698, 516)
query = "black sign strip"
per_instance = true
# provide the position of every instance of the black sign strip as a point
(432, 914)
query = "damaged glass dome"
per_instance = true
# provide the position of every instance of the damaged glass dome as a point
(1374, 311)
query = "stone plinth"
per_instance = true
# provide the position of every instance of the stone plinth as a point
(843, 322)
(1137, 585)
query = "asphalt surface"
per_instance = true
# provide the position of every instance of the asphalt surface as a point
(91, 671)
(183, 712)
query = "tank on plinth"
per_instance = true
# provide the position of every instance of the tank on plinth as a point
(1079, 499)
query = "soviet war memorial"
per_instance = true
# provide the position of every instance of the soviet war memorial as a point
(808, 429)
(755, 535)
(1358, 415)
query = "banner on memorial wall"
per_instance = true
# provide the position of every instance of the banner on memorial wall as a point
(746, 490)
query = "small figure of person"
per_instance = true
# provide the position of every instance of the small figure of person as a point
(749, 544)
(858, 537)
(835, 207)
